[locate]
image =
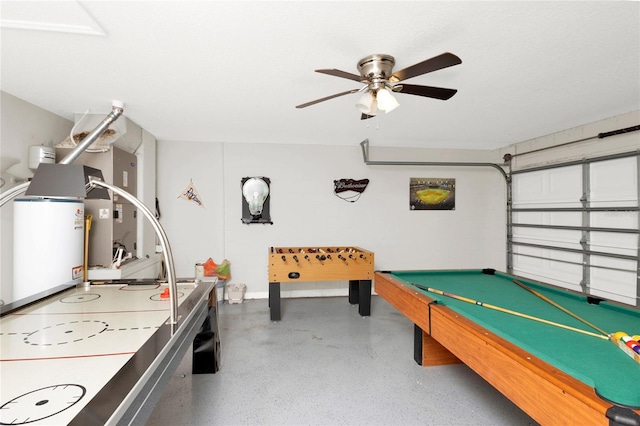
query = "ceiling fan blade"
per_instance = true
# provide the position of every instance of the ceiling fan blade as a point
(427, 91)
(327, 98)
(338, 73)
(436, 63)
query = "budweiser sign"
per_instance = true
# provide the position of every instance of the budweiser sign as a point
(343, 185)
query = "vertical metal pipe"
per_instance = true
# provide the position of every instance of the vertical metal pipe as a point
(85, 267)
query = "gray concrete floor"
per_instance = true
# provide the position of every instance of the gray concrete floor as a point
(324, 364)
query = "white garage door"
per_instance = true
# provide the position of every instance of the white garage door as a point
(577, 226)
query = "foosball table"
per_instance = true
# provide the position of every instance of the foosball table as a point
(343, 263)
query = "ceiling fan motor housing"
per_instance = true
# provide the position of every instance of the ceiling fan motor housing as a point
(376, 67)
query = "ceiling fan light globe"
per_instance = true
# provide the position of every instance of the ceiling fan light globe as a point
(365, 103)
(386, 101)
(374, 107)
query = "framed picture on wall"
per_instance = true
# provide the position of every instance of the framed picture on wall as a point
(432, 194)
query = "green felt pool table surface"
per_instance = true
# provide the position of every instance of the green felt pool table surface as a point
(599, 363)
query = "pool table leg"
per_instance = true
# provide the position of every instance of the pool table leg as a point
(360, 293)
(428, 351)
(274, 301)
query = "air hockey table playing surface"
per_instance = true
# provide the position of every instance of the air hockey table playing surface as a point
(86, 355)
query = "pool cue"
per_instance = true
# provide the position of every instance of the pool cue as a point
(508, 311)
(563, 309)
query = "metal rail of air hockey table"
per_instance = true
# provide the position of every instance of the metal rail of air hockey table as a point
(100, 354)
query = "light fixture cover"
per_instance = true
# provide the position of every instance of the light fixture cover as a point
(367, 104)
(374, 108)
(386, 101)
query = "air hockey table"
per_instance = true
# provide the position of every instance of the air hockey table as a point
(98, 354)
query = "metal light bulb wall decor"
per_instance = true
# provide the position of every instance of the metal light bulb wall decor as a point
(255, 200)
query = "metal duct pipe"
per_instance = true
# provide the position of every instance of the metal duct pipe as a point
(116, 112)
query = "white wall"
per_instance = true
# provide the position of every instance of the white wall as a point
(195, 233)
(23, 125)
(306, 212)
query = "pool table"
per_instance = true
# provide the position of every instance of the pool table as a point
(556, 375)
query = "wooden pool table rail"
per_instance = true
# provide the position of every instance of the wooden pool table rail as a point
(547, 394)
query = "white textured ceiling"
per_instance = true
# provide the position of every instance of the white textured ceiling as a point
(233, 71)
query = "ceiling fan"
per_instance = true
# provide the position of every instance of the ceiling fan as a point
(379, 81)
